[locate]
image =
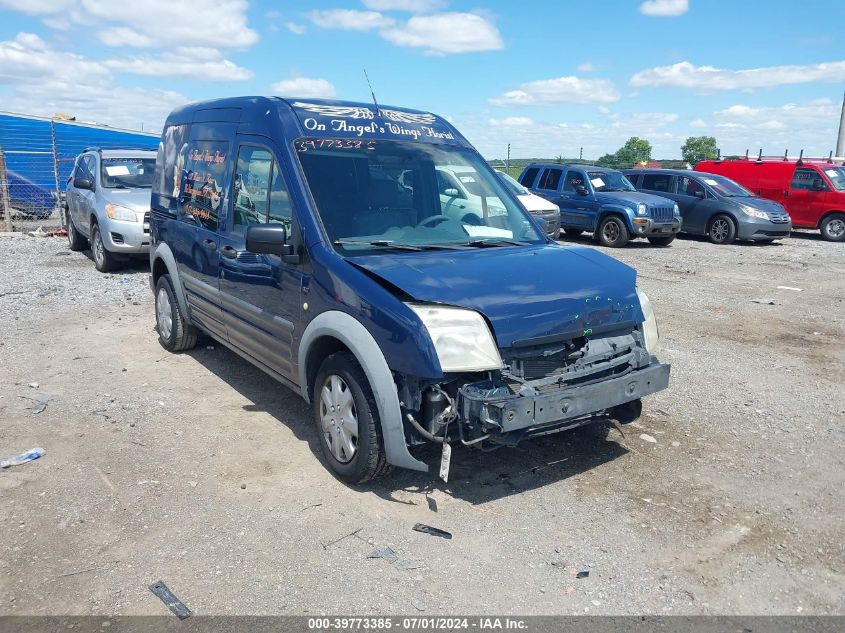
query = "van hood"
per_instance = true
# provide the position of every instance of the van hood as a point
(537, 204)
(135, 199)
(526, 292)
(761, 204)
(630, 198)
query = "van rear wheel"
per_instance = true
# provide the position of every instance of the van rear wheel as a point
(347, 421)
(722, 229)
(833, 227)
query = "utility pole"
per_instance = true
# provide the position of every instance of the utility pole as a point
(840, 143)
(581, 154)
(5, 204)
(508, 163)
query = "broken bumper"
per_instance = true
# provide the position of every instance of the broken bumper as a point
(496, 409)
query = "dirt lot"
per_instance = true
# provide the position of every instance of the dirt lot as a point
(201, 471)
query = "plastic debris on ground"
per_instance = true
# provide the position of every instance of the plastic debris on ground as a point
(392, 557)
(28, 456)
(433, 531)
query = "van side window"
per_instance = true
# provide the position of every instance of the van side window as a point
(550, 179)
(197, 179)
(529, 176)
(656, 182)
(808, 179)
(688, 186)
(280, 208)
(574, 179)
(252, 187)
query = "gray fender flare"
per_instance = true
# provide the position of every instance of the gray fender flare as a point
(614, 210)
(355, 336)
(162, 251)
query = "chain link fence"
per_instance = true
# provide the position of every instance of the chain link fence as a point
(36, 160)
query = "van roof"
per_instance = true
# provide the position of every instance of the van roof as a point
(835, 161)
(574, 165)
(321, 118)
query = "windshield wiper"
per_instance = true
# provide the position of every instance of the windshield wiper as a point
(380, 243)
(494, 242)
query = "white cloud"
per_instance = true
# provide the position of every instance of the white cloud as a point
(411, 6)
(29, 59)
(295, 27)
(705, 79)
(305, 87)
(350, 19)
(513, 121)
(586, 67)
(664, 7)
(698, 123)
(603, 110)
(198, 62)
(151, 23)
(446, 33)
(561, 90)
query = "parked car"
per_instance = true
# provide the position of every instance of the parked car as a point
(547, 213)
(346, 279)
(108, 204)
(812, 191)
(715, 206)
(30, 200)
(603, 202)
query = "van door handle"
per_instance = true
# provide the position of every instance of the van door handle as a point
(228, 251)
(785, 194)
(209, 244)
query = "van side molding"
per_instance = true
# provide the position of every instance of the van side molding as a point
(354, 335)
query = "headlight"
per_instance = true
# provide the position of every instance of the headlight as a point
(754, 213)
(677, 211)
(649, 324)
(641, 209)
(461, 338)
(116, 212)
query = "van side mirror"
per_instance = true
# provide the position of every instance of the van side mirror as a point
(271, 239)
(83, 183)
(581, 190)
(451, 193)
(699, 194)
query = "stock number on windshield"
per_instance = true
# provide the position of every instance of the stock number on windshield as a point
(306, 145)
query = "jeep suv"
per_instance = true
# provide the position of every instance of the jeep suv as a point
(108, 204)
(603, 202)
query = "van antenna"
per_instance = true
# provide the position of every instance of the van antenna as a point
(372, 92)
(800, 160)
(830, 157)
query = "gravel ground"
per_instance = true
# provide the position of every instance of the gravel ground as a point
(199, 470)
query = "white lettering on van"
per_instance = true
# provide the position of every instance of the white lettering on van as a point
(311, 124)
(341, 125)
(403, 131)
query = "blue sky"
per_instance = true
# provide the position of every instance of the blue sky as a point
(546, 77)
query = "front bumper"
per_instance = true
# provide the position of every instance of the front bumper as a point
(760, 229)
(497, 410)
(645, 227)
(550, 222)
(130, 238)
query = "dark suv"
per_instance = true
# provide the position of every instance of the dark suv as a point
(603, 202)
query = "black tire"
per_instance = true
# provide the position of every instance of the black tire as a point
(555, 236)
(573, 232)
(612, 232)
(104, 261)
(721, 229)
(661, 240)
(76, 242)
(179, 335)
(367, 461)
(833, 227)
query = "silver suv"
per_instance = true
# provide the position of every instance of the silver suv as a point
(108, 204)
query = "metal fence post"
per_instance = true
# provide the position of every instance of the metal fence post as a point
(4, 192)
(56, 172)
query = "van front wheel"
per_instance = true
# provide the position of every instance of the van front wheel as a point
(347, 421)
(722, 229)
(833, 227)
(174, 332)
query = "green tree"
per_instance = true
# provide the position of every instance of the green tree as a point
(635, 150)
(698, 148)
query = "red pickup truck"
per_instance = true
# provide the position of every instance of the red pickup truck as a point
(812, 190)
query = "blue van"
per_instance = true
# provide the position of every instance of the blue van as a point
(311, 238)
(603, 202)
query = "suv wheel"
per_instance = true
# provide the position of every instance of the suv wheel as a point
(613, 232)
(174, 332)
(833, 227)
(662, 240)
(347, 420)
(104, 261)
(722, 229)
(75, 241)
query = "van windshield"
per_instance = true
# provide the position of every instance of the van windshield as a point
(836, 175)
(726, 187)
(409, 196)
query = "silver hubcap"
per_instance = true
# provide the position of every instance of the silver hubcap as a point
(720, 230)
(836, 228)
(70, 230)
(610, 231)
(164, 314)
(339, 419)
(98, 248)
